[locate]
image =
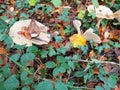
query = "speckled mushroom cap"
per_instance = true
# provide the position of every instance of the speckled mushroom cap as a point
(43, 37)
(101, 11)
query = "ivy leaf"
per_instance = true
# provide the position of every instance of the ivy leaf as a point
(50, 64)
(57, 3)
(11, 83)
(59, 85)
(95, 3)
(43, 53)
(3, 24)
(44, 85)
(32, 2)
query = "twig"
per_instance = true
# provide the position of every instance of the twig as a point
(99, 61)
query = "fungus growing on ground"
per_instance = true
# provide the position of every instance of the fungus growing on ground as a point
(102, 12)
(81, 38)
(28, 32)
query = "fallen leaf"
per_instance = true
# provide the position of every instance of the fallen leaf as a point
(89, 35)
(61, 31)
(12, 2)
(77, 40)
(96, 70)
(3, 50)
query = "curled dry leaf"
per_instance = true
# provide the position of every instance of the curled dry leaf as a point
(89, 35)
(42, 38)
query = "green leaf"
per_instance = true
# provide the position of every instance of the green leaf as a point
(32, 2)
(61, 50)
(43, 53)
(15, 57)
(26, 88)
(44, 85)
(25, 79)
(26, 57)
(64, 65)
(32, 49)
(2, 86)
(61, 59)
(11, 83)
(57, 3)
(95, 3)
(56, 71)
(81, 14)
(60, 85)
(50, 64)
(58, 39)
(51, 51)
(3, 24)
(112, 81)
(71, 64)
(99, 88)
(79, 74)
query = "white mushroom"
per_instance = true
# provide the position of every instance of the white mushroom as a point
(42, 38)
(77, 24)
(117, 15)
(102, 12)
(89, 35)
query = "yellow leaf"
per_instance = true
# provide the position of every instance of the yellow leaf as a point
(77, 40)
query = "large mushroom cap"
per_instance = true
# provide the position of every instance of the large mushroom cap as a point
(101, 11)
(117, 15)
(43, 37)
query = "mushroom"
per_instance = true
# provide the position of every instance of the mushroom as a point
(102, 12)
(77, 24)
(40, 39)
(117, 15)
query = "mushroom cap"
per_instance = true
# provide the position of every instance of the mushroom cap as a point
(117, 15)
(101, 11)
(89, 35)
(21, 40)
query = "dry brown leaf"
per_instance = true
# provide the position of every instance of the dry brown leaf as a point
(61, 31)
(12, 2)
(33, 29)
(3, 50)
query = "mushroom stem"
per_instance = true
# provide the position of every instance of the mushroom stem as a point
(98, 22)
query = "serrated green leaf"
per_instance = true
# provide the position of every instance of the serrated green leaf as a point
(26, 80)
(3, 24)
(26, 88)
(51, 51)
(32, 2)
(95, 3)
(11, 83)
(44, 85)
(61, 59)
(50, 64)
(57, 3)
(15, 57)
(32, 49)
(112, 81)
(60, 85)
(43, 53)
(26, 57)
(99, 88)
